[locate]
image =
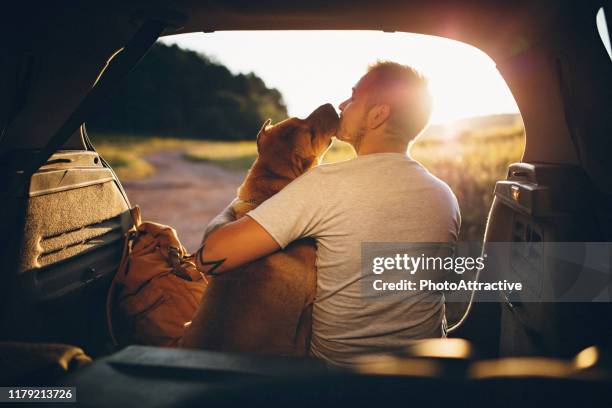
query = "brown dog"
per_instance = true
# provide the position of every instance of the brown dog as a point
(265, 306)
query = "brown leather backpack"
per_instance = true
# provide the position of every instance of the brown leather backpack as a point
(157, 288)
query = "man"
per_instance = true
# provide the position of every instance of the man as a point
(383, 195)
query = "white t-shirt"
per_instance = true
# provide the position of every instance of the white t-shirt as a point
(381, 197)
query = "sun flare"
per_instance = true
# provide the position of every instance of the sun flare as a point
(313, 67)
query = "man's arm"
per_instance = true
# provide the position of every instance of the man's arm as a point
(224, 217)
(294, 212)
(234, 244)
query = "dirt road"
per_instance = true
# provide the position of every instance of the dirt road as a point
(183, 194)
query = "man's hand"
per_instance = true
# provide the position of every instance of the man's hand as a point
(234, 244)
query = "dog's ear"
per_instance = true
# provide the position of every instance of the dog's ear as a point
(262, 131)
(308, 162)
(301, 164)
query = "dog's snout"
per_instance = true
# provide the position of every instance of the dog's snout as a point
(325, 118)
(328, 111)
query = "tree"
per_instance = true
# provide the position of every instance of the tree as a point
(179, 93)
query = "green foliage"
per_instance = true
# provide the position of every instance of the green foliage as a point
(184, 94)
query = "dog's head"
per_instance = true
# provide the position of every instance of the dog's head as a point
(292, 146)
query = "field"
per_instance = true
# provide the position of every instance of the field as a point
(469, 161)
(125, 153)
(471, 165)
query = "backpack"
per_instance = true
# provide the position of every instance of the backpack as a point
(156, 290)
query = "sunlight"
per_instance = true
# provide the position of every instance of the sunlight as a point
(313, 67)
(448, 129)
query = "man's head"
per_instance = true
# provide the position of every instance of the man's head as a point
(390, 103)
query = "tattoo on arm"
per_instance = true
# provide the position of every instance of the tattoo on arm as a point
(215, 263)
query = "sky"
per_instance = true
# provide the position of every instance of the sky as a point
(311, 68)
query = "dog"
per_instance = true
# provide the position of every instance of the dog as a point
(266, 306)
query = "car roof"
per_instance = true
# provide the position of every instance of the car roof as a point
(72, 42)
(500, 28)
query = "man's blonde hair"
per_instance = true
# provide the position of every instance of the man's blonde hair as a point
(405, 90)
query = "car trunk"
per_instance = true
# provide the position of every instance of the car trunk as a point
(62, 234)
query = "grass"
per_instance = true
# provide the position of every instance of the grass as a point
(236, 156)
(125, 153)
(470, 163)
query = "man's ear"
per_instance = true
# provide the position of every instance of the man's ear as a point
(262, 131)
(378, 115)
